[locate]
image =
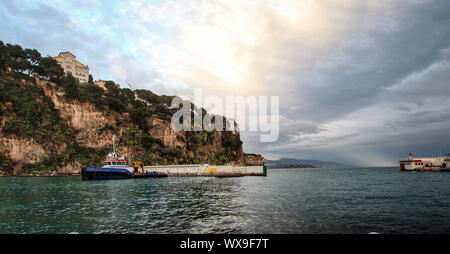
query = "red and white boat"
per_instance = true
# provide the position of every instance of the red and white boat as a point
(441, 163)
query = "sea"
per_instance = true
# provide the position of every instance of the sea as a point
(379, 200)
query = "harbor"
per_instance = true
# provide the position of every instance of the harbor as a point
(209, 170)
(200, 170)
(116, 167)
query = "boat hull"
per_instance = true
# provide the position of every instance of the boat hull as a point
(105, 173)
(150, 175)
(115, 173)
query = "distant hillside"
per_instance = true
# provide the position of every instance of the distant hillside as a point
(299, 163)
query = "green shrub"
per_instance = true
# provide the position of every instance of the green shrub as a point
(114, 104)
(93, 94)
(112, 127)
(6, 164)
(71, 87)
(49, 164)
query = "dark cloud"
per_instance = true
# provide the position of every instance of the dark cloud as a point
(357, 80)
(442, 13)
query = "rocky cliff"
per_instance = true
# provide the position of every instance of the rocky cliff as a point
(46, 132)
(50, 123)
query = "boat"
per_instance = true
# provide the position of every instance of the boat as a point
(115, 167)
(441, 163)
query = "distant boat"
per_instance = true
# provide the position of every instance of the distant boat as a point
(441, 163)
(115, 167)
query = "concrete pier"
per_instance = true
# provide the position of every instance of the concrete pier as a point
(208, 170)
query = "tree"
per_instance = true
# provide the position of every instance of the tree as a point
(18, 58)
(34, 58)
(138, 117)
(49, 67)
(93, 94)
(147, 96)
(71, 87)
(165, 100)
(91, 79)
(114, 104)
(5, 59)
(112, 89)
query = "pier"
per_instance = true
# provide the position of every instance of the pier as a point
(208, 170)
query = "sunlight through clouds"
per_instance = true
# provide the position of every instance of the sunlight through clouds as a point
(229, 45)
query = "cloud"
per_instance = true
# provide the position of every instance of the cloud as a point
(357, 80)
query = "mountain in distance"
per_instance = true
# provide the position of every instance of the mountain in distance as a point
(300, 163)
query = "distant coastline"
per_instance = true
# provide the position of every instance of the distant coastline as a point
(301, 163)
(290, 166)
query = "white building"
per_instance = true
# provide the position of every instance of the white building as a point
(71, 65)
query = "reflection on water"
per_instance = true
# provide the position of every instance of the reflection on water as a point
(170, 205)
(381, 200)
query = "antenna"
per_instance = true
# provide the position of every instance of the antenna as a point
(136, 95)
(132, 88)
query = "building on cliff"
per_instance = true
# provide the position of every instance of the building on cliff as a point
(71, 65)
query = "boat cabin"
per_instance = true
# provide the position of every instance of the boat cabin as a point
(114, 162)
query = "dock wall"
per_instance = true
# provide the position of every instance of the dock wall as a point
(208, 170)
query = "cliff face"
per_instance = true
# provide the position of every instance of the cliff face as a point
(162, 130)
(22, 150)
(62, 135)
(83, 117)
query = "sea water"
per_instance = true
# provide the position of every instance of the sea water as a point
(313, 200)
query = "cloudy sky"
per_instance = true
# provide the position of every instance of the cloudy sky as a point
(361, 82)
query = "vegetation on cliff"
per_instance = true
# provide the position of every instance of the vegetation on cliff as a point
(27, 113)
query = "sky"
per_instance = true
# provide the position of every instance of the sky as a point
(359, 82)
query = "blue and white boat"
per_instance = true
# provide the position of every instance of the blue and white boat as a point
(115, 167)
